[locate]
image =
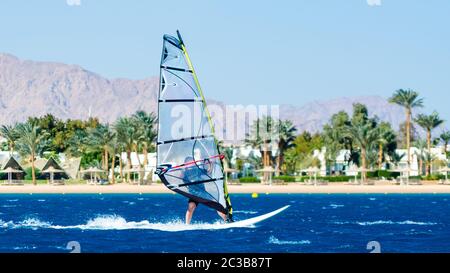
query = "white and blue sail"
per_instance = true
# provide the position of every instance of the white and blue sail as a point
(188, 158)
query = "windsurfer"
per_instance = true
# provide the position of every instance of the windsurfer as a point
(190, 173)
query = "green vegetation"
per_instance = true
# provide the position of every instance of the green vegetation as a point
(249, 179)
(285, 178)
(97, 144)
(371, 144)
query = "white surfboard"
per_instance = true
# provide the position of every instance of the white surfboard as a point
(252, 221)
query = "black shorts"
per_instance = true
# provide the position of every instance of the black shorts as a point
(193, 201)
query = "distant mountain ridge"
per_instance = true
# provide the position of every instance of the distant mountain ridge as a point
(29, 88)
(314, 115)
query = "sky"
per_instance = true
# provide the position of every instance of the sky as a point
(244, 52)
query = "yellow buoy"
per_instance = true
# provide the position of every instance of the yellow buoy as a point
(254, 195)
(267, 193)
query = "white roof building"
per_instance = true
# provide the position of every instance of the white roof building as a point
(342, 164)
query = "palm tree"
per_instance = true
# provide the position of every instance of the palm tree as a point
(429, 159)
(31, 142)
(429, 123)
(409, 100)
(261, 137)
(396, 158)
(421, 146)
(385, 137)
(445, 137)
(286, 138)
(99, 139)
(363, 135)
(9, 132)
(227, 153)
(126, 135)
(146, 135)
(112, 147)
(332, 142)
(76, 143)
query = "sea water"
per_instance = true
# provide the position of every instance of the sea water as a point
(154, 223)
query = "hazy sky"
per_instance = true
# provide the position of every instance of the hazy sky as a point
(249, 51)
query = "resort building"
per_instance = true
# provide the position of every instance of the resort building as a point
(342, 165)
(13, 172)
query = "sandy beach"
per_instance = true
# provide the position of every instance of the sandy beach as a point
(245, 188)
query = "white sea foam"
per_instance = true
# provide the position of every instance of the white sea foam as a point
(407, 222)
(334, 206)
(275, 241)
(114, 222)
(388, 222)
(24, 247)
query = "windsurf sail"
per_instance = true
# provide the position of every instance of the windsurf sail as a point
(188, 158)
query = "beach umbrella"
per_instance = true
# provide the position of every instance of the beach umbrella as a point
(406, 170)
(10, 171)
(93, 170)
(446, 169)
(267, 170)
(310, 171)
(314, 170)
(51, 170)
(132, 170)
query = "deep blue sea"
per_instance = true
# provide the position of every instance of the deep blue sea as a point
(154, 223)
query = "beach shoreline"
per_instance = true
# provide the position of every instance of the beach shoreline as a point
(333, 188)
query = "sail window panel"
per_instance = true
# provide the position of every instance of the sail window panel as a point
(173, 56)
(177, 85)
(182, 120)
(176, 153)
(194, 161)
(211, 191)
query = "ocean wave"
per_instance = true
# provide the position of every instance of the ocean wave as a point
(24, 247)
(275, 241)
(9, 206)
(114, 222)
(388, 222)
(12, 200)
(41, 200)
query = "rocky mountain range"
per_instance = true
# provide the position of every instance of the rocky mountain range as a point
(29, 88)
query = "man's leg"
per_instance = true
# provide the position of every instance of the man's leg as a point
(190, 212)
(221, 214)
